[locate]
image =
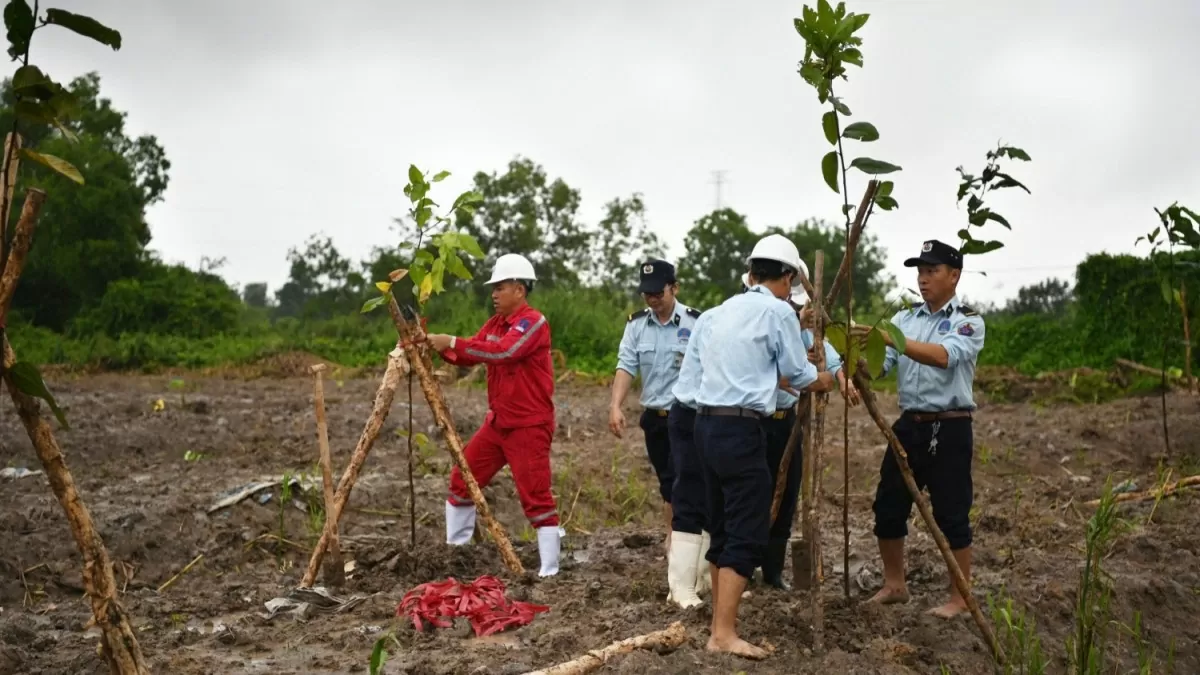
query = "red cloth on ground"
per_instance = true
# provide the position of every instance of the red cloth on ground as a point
(482, 602)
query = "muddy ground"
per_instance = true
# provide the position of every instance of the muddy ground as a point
(149, 477)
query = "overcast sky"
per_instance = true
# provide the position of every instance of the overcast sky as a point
(282, 119)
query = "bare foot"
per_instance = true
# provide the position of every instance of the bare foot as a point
(737, 647)
(949, 610)
(890, 596)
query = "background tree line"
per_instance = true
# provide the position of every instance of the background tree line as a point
(94, 293)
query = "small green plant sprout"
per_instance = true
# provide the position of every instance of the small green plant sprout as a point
(973, 188)
(379, 652)
(193, 456)
(429, 265)
(39, 100)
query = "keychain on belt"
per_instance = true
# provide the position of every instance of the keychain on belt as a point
(937, 424)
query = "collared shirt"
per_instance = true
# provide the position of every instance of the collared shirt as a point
(655, 349)
(833, 363)
(738, 352)
(957, 328)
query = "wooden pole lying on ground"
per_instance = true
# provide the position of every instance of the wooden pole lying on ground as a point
(669, 638)
(1165, 491)
(1157, 372)
(812, 455)
(423, 366)
(397, 366)
(118, 642)
(334, 569)
(956, 575)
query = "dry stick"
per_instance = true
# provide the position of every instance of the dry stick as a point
(786, 461)
(1165, 491)
(13, 165)
(1157, 372)
(396, 367)
(670, 638)
(1187, 338)
(956, 575)
(335, 568)
(856, 230)
(423, 365)
(814, 451)
(167, 584)
(118, 642)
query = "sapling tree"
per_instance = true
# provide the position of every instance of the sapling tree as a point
(42, 101)
(974, 188)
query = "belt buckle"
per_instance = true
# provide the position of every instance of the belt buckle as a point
(779, 414)
(661, 413)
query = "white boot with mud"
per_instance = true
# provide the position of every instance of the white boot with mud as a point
(549, 543)
(460, 524)
(703, 573)
(681, 569)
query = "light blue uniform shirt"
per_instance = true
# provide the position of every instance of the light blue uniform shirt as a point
(957, 328)
(833, 363)
(738, 352)
(655, 349)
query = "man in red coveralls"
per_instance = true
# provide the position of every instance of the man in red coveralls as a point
(515, 346)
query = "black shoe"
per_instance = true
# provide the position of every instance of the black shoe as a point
(772, 567)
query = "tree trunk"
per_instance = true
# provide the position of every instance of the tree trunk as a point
(396, 367)
(423, 366)
(1187, 339)
(670, 638)
(812, 455)
(860, 223)
(956, 575)
(335, 568)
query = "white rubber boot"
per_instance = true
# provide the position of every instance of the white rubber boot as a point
(460, 524)
(549, 543)
(703, 571)
(681, 569)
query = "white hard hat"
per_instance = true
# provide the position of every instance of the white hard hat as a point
(778, 248)
(512, 266)
(799, 296)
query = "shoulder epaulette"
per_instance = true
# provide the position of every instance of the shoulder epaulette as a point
(639, 314)
(693, 312)
(967, 310)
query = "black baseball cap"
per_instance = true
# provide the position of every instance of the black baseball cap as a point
(934, 252)
(656, 274)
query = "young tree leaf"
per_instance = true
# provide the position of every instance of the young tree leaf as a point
(397, 275)
(28, 379)
(1015, 153)
(437, 272)
(829, 124)
(835, 333)
(378, 656)
(18, 19)
(383, 286)
(861, 131)
(373, 303)
(59, 165)
(873, 166)
(979, 217)
(887, 203)
(875, 352)
(441, 176)
(1178, 297)
(425, 288)
(468, 244)
(998, 218)
(885, 188)
(839, 106)
(977, 247)
(853, 56)
(415, 177)
(1007, 181)
(467, 199)
(974, 203)
(965, 235)
(455, 266)
(1167, 292)
(899, 342)
(30, 81)
(829, 169)
(85, 26)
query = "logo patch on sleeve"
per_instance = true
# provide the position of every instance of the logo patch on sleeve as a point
(966, 329)
(944, 327)
(522, 325)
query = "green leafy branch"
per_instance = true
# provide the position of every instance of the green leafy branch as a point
(1177, 225)
(870, 346)
(38, 100)
(975, 187)
(430, 265)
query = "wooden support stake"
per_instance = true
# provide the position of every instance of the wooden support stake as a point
(397, 366)
(856, 230)
(13, 165)
(1187, 339)
(670, 638)
(812, 455)
(785, 462)
(423, 366)
(118, 641)
(956, 575)
(334, 572)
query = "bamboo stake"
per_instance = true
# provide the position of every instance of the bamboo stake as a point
(956, 575)
(334, 571)
(1165, 491)
(423, 366)
(397, 365)
(118, 642)
(670, 638)
(813, 451)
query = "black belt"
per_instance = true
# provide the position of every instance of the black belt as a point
(922, 416)
(728, 411)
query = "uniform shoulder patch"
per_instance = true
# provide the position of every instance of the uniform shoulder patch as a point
(693, 312)
(639, 314)
(967, 310)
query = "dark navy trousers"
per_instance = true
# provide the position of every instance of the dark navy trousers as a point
(689, 497)
(658, 447)
(778, 431)
(733, 452)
